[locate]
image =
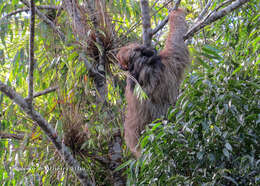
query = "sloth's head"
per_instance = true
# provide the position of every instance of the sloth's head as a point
(132, 54)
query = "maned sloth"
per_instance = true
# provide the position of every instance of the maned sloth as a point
(159, 76)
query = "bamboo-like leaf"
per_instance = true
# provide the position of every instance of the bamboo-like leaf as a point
(140, 94)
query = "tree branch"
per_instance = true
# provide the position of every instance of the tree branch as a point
(27, 9)
(43, 92)
(114, 146)
(213, 17)
(146, 21)
(100, 81)
(46, 91)
(46, 20)
(138, 22)
(11, 136)
(205, 10)
(31, 54)
(50, 132)
(163, 23)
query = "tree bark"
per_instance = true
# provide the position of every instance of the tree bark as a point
(146, 21)
(11, 136)
(31, 54)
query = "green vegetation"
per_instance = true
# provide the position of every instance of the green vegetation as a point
(210, 137)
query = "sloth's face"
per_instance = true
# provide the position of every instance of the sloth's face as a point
(124, 55)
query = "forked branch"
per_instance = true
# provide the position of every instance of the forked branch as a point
(213, 16)
(46, 7)
(46, 91)
(46, 20)
(163, 23)
(203, 19)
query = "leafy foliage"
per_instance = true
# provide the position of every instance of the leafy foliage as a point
(211, 136)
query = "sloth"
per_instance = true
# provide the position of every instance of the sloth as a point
(159, 75)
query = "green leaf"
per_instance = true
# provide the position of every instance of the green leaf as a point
(144, 141)
(172, 113)
(59, 127)
(185, 104)
(211, 52)
(230, 179)
(14, 2)
(72, 56)
(225, 152)
(218, 131)
(228, 146)
(211, 157)
(200, 155)
(237, 69)
(204, 64)
(156, 126)
(1, 100)
(140, 94)
(2, 6)
(211, 49)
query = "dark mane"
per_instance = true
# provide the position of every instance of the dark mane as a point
(144, 61)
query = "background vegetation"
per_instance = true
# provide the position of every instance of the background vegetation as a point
(210, 137)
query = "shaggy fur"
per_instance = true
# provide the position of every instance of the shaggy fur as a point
(159, 76)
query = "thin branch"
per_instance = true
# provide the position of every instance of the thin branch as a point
(223, 4)
(163, 23)
(50, 132)
(31, 54)
(155, 2)
(146, 21)
(213, 17)
(163, 6)
(210, 13)
(205, 10)
(27, 9)
(43, 92)
(46, 91)
(11, 136)
(133, 27)
(46, 20)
